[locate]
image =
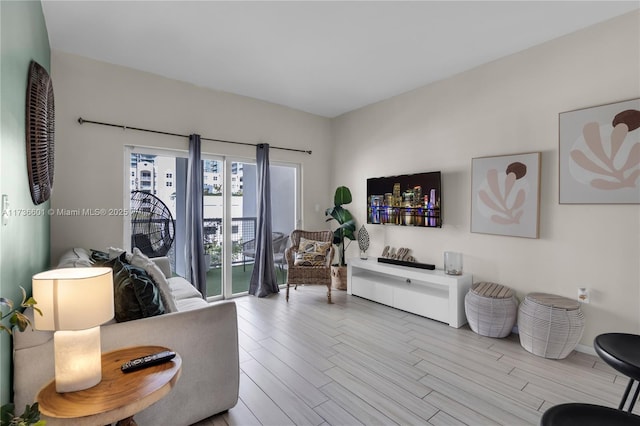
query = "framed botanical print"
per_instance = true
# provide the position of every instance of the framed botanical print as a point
(505, 195)
(599, 154)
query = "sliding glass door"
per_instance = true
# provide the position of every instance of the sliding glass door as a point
(230, 213)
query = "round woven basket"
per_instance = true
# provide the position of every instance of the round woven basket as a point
(550, 326)
(491, 309)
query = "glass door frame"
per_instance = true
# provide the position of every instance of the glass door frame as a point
(226, 160)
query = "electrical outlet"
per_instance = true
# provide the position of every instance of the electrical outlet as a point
(583, 295)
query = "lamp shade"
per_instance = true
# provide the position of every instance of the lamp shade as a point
(73, 298)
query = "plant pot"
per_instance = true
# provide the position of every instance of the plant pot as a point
(339, 277)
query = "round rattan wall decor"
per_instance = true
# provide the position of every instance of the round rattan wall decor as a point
(40, 130)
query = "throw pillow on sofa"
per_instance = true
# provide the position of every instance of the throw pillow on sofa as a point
(75, 258)
(140, 260)
(101, 258)
(116, 252)
(135, 295)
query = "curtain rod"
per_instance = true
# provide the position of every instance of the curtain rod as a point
(82, 121)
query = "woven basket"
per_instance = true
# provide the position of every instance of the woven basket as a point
(550, 326)
(491, 309)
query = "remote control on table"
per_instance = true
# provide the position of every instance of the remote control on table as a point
(147, 361)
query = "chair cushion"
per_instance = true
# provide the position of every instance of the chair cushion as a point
(309, 246)
(312, 253)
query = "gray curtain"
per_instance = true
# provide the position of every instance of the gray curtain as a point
(263, 279)
(194, 249)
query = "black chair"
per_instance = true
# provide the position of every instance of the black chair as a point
(622, 352)
(577, 414)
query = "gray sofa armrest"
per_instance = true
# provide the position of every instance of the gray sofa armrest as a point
(206, 339)
(164, 264)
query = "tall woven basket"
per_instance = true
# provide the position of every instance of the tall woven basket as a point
(550, 326)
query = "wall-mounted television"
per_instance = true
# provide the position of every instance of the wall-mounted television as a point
(405, 200)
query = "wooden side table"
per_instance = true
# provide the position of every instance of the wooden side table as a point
(118, 397)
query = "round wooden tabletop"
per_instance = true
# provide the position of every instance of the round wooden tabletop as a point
(119, 395)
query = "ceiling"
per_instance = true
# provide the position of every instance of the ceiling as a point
(323, 57)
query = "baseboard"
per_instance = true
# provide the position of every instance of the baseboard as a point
(586, 350)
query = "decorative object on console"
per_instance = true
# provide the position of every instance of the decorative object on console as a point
(452, 263)
(40, 133)
(401, 255)
(74, 303)
(363, 242)
(599, 154)
(505, 195)
(408, 200)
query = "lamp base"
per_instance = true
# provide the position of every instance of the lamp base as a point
(78, 361)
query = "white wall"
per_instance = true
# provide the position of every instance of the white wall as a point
(90, 159)
(505, 107)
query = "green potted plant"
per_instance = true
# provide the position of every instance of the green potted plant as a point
(31, 414)
(345, 231)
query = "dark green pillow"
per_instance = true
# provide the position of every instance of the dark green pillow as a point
(100, 258)
(135, 295)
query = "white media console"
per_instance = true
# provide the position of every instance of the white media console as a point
(429, 293)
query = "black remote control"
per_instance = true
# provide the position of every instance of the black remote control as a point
(147, 361)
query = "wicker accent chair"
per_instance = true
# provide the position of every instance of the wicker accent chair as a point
(299, 274)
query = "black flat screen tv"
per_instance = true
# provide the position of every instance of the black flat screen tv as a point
(405, 200)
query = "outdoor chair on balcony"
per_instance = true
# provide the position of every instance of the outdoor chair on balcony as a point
(279, 246)
(309, 259)
(249, 248)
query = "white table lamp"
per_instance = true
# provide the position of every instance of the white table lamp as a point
(74, 302)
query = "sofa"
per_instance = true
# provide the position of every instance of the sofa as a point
(204, 334)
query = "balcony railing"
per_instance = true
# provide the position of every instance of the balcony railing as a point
(243, 229)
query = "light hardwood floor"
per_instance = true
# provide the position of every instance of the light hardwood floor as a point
(357, 362)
